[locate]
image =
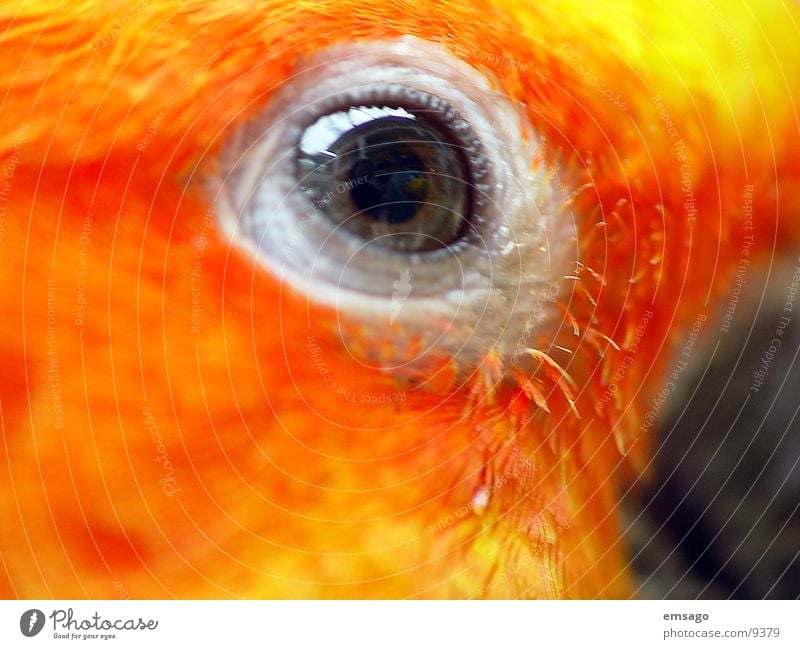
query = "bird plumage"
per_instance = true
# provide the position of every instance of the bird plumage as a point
(174, 435)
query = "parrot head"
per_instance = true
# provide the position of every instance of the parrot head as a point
(338, 299)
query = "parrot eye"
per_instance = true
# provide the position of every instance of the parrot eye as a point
(401, 175)
(397, 183)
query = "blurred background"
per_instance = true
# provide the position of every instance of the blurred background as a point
(719, 516)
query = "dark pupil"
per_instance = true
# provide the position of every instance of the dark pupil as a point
(386, 174)
(394, 183)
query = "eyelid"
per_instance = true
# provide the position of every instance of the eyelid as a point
(482, 288)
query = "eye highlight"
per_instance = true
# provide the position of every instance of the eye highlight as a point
(392, 174)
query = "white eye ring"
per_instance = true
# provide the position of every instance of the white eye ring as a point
(481, 293)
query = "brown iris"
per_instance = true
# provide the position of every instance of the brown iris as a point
(391, 175)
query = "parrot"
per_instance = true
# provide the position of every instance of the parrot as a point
(345, 300)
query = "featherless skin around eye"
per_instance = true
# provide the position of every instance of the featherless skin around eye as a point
(484, 240)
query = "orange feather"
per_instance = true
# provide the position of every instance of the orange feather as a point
(159, 451)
